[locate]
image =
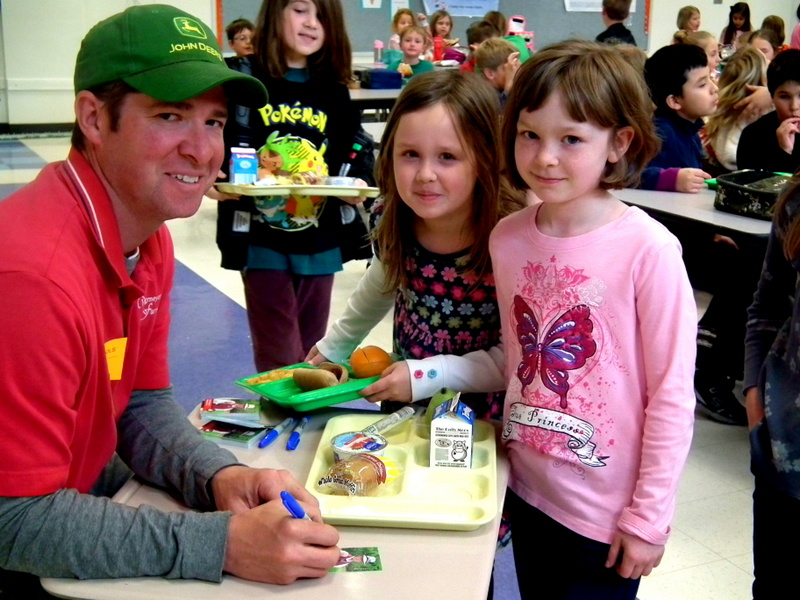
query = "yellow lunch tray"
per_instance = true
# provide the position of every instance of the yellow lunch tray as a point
(421, 497)
(299, 190)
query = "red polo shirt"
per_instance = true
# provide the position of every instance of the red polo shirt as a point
(67, 299)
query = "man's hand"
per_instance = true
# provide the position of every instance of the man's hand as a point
(394, 384)
(756, 104)
(315, 357)
(691, 181)
(786, 132)
(267, 544)
(754, 407)
(215, 194)
(238, 489)
(633, 556)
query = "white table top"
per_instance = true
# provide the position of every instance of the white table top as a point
(366, 94)
(438, 564)
(698, 208)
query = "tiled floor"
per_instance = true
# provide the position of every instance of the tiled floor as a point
(709, 554)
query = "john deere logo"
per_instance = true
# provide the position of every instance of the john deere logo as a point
(190, 27)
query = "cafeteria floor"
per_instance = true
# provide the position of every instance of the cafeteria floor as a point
(709, 553)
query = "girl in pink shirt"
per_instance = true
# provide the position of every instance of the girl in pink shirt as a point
(599, 327)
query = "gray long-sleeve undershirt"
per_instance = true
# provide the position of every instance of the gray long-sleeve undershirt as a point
(68, 534)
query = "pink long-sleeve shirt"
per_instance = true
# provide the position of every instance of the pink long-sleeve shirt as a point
(598, 429)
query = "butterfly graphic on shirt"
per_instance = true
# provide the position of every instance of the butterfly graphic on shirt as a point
(564, 347)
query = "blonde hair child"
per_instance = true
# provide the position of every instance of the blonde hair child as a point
(441, 178)
(689, 18)
(704, 40)
(747, 67)
(599, 327)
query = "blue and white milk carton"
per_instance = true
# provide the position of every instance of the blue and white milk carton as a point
(244, 166)
(451, 435)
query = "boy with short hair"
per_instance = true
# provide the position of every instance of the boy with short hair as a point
(497, 60)
(240, 37)
(477, 33)
(614, 14)
(683, 92)
(769, 143)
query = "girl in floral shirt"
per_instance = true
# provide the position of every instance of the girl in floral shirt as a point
(443, 191)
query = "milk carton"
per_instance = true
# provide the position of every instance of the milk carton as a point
(244, 166)
(451, 435)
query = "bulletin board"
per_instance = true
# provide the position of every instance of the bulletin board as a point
(548, 19)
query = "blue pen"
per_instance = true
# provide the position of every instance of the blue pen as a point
(293, 506)
(275, 432)
(294, 439)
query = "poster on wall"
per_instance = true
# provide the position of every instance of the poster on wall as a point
(397, 5)
(461, 8)
(589, 5)
(371, 3)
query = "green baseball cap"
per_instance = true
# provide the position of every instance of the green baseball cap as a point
(163, 52)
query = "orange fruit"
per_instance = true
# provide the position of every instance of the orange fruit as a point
(369, 361)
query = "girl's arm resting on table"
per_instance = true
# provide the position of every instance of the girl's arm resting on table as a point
(367, 305)
(667, 317)
(161, 446)
(67, 534)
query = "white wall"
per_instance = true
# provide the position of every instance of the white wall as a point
(39, 43)
(39, 40)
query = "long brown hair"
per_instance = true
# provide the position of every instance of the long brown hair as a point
(474, 108)
(333, 60)
(598, 85)
(787, 219)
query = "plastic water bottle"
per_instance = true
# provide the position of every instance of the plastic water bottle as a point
(378, 53)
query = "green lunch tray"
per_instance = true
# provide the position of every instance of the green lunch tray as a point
(285, 393)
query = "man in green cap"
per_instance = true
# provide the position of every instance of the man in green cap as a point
(86, 267)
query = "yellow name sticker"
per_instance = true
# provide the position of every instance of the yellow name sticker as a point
(115, 357)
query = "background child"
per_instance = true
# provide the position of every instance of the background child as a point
(682, 90)
(599, 324)
(291, 251)
(413, 41)
(476, 34)
(765, 41)
(769, 143)
(704, 40)
(440, 173)
(402, 19)
(497, 61)
(689, 18)
(441, 24)
(747, 67)
(240, 38)
(772, 380)
(738, 24)
(614, 14)
(499, 20)
(776, 24)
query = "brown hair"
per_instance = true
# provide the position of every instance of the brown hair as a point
(685, 14)
(767, 35)
(617, 10)
(599, 86)
(776, 24)
(787, 219)
(113, 94)
(400, 12)
(493, 53)
(438, 16)
(236, 26)
(498, 19)
(333, 60)
(473, 106)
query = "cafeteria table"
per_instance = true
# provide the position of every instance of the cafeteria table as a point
(423, 563)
